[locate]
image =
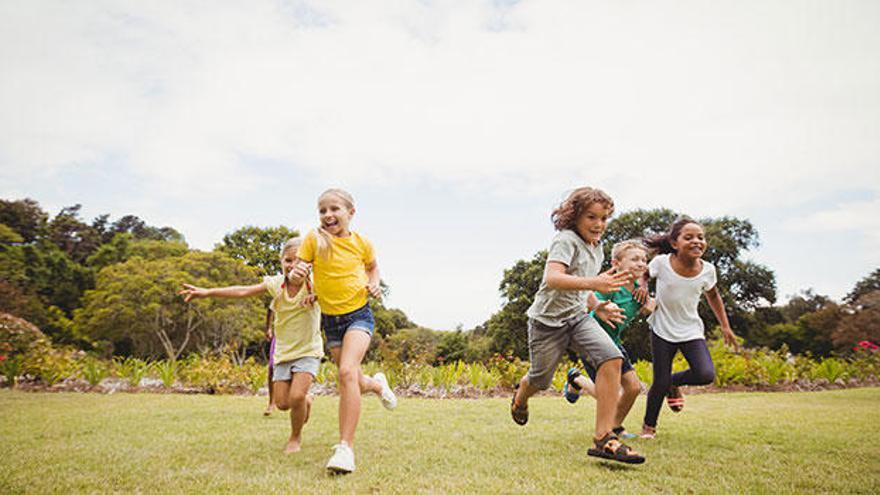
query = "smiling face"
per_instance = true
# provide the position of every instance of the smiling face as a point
(335, 214)
(590, 225)
(691, 241)
(634, 260)
(288, 257)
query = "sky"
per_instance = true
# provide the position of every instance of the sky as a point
(457, 126)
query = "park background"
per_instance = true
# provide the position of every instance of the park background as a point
(144, 146)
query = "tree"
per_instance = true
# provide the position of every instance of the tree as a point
(135, 306)
(508, 328)
(131, 224)
(124, 246)
(73, 236)
(259, 247)
(25, 217)
(865, 286)
(860, 321)
(744, 285)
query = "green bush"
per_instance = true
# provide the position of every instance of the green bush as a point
(132, 369)
(93, 370)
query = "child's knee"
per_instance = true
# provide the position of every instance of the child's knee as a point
(297, 398)
(348, 374)
(705, 376)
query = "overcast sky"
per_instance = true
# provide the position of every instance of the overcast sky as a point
(457, 125)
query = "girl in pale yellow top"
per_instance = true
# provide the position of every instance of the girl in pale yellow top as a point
(298, 345)
(345, 272)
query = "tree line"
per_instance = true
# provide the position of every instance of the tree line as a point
(109, 287)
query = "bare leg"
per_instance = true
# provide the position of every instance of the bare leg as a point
(631, 389)
(271, 405)
(351, 381)
(299, 403)
(607, 396)
(524, 392)
(587, 385)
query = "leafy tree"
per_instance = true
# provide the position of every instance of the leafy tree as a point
(818, 328)
(131, 224)
(865, 286)
(75, 237)
(25, 217)
(259, 247)
(135, 306)
(124, 246)
(508, 328)
(9, 236)
(861, 321)
(744, 285)
(411, 345)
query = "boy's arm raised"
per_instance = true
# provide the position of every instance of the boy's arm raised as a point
(606, 282)
(190, 292)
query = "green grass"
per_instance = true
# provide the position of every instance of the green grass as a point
(152, 443)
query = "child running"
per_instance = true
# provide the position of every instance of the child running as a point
(270, 336)
(298, 346)
(682, 276)
(345, 273)
(627, 256)
(558, 318)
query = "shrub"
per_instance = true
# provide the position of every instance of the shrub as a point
(93, 370)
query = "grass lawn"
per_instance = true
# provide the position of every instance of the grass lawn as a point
(150, 443)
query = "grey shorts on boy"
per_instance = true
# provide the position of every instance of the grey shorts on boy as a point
(547, 346)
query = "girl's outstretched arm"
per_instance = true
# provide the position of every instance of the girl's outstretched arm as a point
(190, 292)
(373, 280)
(713, 297)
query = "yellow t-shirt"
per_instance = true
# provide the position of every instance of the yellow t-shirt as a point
(297, 327)
(341, 280)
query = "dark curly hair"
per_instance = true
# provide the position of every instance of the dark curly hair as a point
(566, 215)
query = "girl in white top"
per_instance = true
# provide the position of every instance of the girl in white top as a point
(297, 331)
(682, 277)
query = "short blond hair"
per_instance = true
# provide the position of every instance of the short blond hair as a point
(622, 247)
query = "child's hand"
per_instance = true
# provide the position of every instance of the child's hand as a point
(641, 295)
(190, 292)
(374, 290)
(299, 273)
(610, 281)
(610, 313)
(309, 301)
(649, 306)
(730, 338)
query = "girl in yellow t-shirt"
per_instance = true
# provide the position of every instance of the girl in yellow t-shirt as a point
(298, 345)
(345, 273)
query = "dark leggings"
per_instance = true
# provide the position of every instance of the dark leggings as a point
(701, 372)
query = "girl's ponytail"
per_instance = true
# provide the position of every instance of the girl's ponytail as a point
(325, 246)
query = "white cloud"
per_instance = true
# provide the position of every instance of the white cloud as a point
(710, 108)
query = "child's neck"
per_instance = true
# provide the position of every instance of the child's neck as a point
(292, 288)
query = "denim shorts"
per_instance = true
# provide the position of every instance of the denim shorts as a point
(283, 372)
(335, 326)
(548, 344)
(625, 366)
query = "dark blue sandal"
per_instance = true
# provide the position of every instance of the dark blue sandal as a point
(571, 389)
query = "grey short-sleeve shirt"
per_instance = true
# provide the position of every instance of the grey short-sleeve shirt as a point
(553, 307)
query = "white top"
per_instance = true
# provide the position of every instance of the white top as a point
(676, 318)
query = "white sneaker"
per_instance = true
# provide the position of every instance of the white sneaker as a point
(342, 460)
(389, 400)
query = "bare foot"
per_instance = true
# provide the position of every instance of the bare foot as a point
(269, 409)
(292, 446)
(648, 432)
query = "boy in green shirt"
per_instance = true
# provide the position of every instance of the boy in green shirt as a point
(629, 256)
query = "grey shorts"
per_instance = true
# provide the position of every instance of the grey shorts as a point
(547, 346)
(283, 372)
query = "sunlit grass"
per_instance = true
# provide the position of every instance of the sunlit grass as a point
(153, 443)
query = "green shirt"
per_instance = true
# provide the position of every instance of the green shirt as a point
(625, 300)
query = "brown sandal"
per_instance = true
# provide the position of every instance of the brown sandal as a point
(609, 447)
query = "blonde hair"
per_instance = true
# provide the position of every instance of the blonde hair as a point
(622, 247)
(566, 215)
(325, 244)
(292, 243)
